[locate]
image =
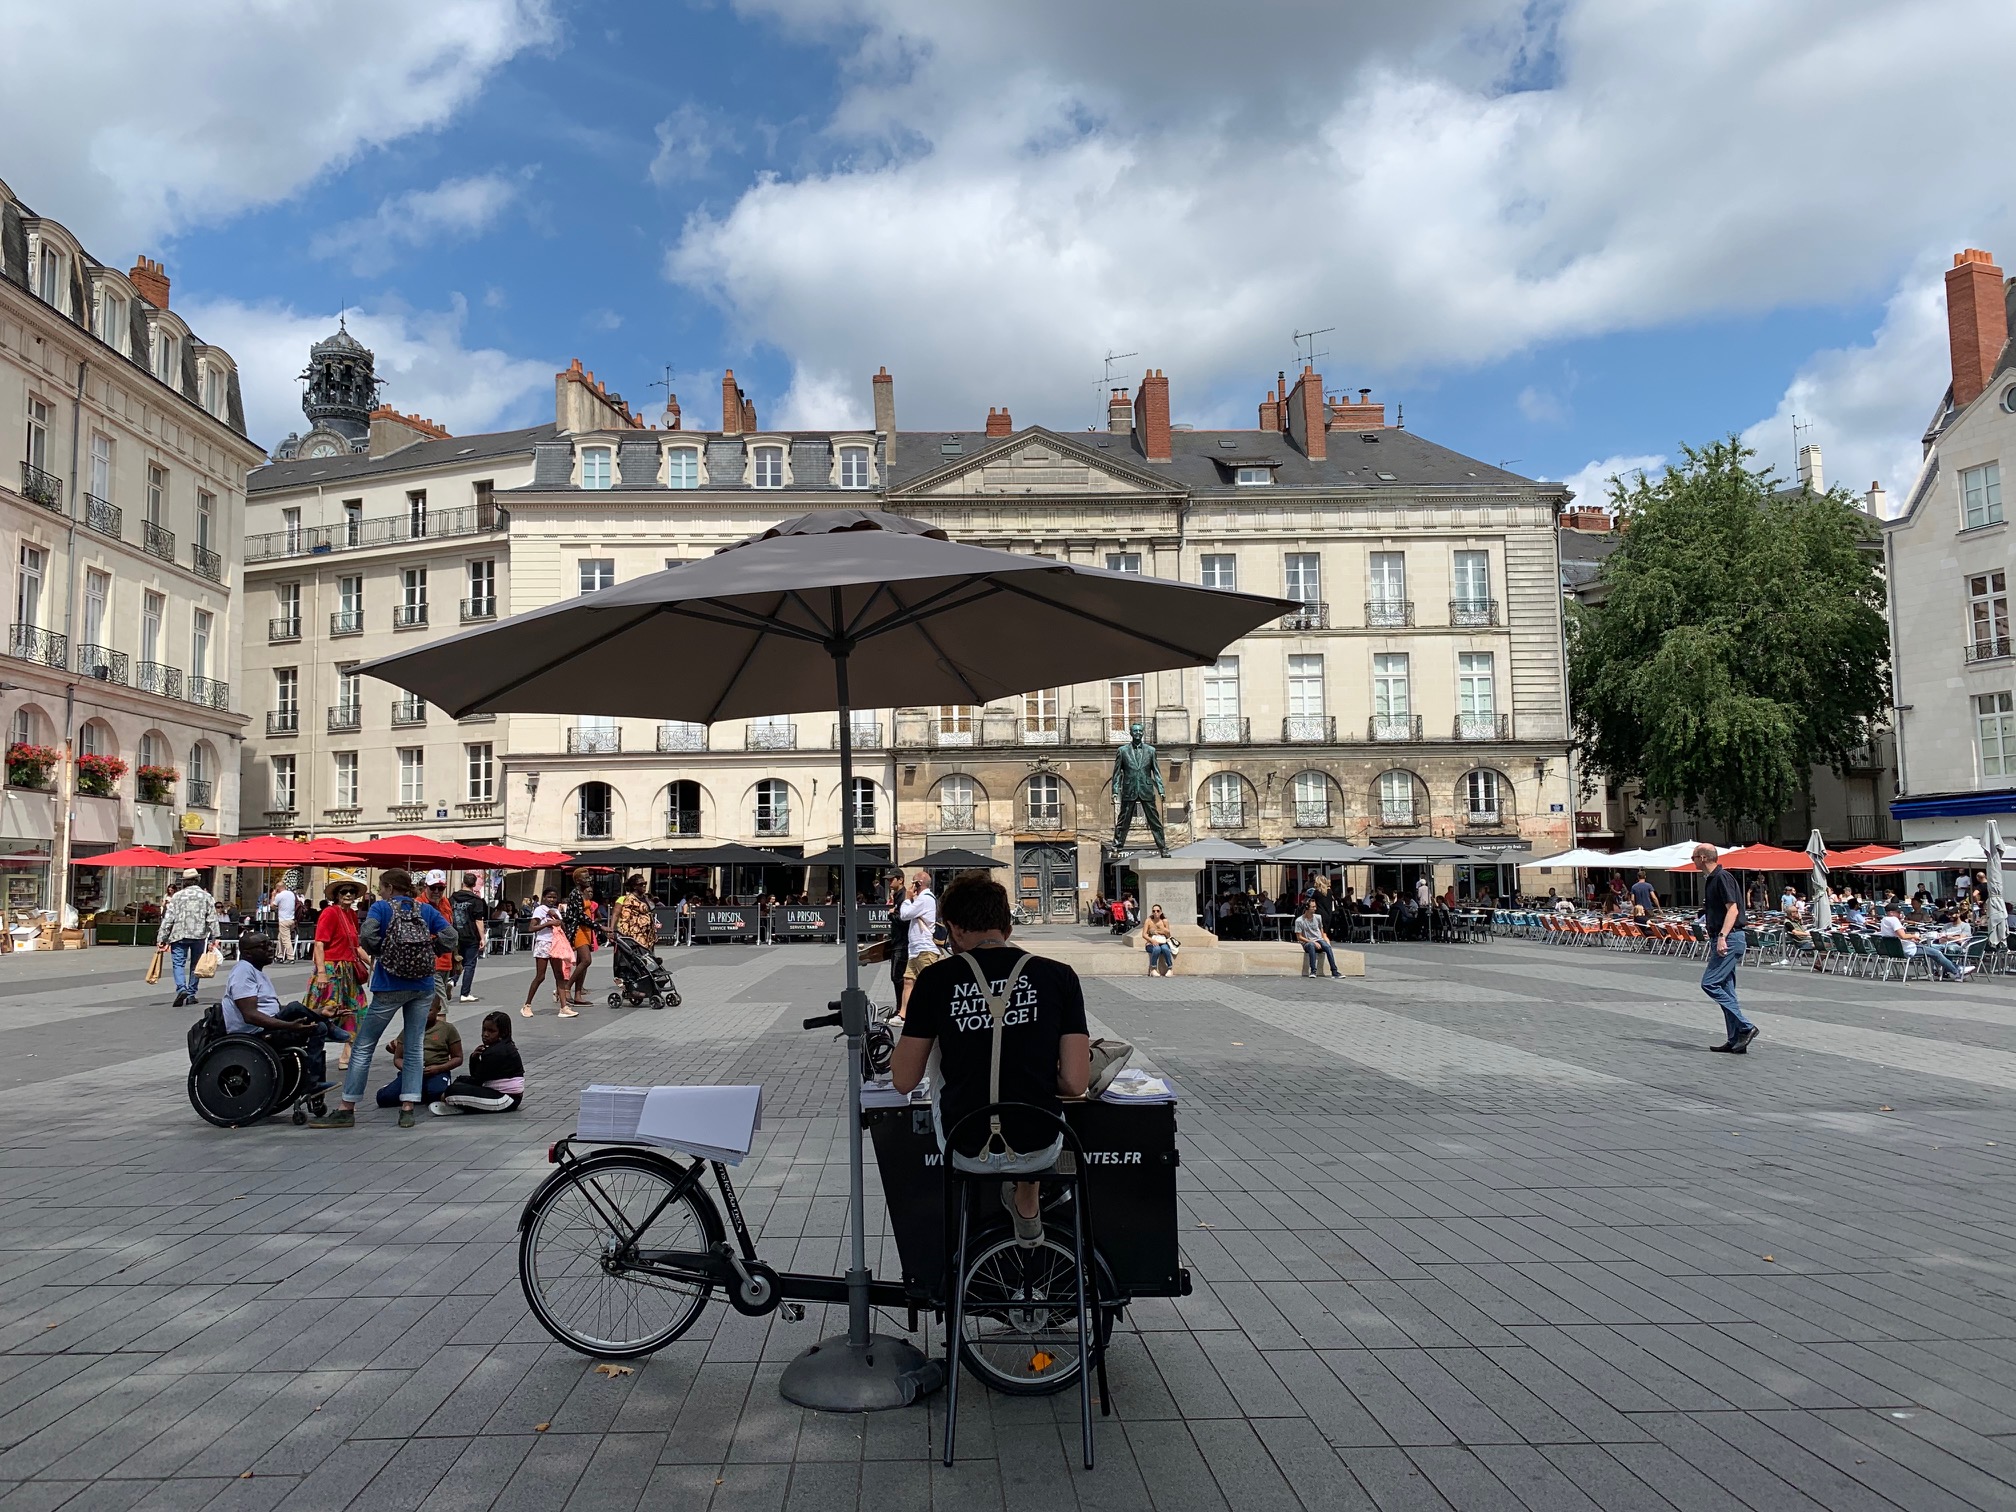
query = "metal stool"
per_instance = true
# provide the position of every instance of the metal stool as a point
(1018, 1287)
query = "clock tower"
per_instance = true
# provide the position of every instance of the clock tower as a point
(342, 390)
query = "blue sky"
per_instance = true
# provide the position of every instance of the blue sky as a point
(1564, 235)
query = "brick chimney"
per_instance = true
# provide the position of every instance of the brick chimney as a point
(998, 423)
(150, 282)
(1977, 322)
(1270, 412)
(671, 410)
(1360, 414)
(1151, 415)
(1307, 415)
(731, 404)
(1119, 413)
(885, 413)
(749, 415)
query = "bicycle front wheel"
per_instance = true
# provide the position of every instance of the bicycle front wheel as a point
(578, 1254)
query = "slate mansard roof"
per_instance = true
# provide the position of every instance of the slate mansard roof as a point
(357, 467)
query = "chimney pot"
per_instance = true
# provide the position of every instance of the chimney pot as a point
(1119, 413)
(150, 282)
(885, 413)
(1977, 322)
(998, 422)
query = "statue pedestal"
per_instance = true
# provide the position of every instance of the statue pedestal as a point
(1172, 882)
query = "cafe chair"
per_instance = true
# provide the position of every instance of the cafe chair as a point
(1012, 1313)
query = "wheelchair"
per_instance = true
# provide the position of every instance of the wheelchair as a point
(238, 1079)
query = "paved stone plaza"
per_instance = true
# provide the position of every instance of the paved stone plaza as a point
(1486, 1228)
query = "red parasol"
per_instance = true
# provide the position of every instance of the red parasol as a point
(514, 860)
(1860, 855)
(1762, 858)
(265, 850)
(138, 855)
(397, 850)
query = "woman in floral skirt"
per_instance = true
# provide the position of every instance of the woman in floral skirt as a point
(336, 989)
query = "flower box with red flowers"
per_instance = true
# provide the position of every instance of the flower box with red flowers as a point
(99, 775)
(29, 766)
(157, 783)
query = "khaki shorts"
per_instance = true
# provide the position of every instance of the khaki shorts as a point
(917, 963)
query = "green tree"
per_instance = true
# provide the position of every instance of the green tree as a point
(1737, 638)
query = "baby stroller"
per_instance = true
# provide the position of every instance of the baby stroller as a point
(641, 977)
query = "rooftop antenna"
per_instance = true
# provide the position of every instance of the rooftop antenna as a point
(1106, 383)
(1800, 430)
(664, 383)
(1308, 358)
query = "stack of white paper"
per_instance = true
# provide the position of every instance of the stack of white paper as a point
(715, 1123)
(609, 1112)
(882, 1093)
(1136, 1086)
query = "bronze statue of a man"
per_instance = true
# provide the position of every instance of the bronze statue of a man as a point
(1137, 779)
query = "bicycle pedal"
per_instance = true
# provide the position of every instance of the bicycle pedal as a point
(794, 1312)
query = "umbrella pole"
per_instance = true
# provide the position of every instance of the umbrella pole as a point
(857, 1372)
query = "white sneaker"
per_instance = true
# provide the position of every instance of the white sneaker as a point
(439, 1109)
(465, 998)
(1967, 971)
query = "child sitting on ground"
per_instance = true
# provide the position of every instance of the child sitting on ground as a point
(496, 1079)
(442, 1055)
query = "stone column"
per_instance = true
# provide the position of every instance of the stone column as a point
(1172, 882)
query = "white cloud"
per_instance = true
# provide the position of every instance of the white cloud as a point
(453, 210)
(420, 354)
(1868, 405)
(1542, 406)
(194, 112)
(1592, 483)
(687, 141)
(1012, 190)
(604, 320)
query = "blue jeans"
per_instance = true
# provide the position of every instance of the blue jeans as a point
(432, 1088)
(1309, 957)
(1719, 980)
(1941, 962)
(469, 953)
(182, 961)
(1161, 955)
(411, 1008)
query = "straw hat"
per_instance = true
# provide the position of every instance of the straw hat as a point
(342, 884)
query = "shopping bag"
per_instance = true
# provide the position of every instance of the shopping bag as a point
(153, 968)
(208, 962)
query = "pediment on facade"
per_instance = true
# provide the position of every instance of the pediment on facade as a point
(1036, 461)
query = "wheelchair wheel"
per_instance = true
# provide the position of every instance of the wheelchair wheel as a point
(293, 1078)
(1020, 1331)
(579, 1254)
(235, 1081)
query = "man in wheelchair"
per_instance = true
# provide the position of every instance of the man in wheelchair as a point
(252, 1006)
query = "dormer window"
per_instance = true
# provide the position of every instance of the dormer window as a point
(167, 355)
(769, 467)
(213, 389)
(111, 325)
(853, 467)
(682, 467)
(49, 276)
(596, 467)
(1253, 477)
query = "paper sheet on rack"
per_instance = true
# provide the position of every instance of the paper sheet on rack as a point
(716, 1123)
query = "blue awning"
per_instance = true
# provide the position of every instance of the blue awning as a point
(1955, 805)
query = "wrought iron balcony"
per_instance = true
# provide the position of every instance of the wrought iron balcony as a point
(200, 793)
(1225, 816)
(682, 822)
(210, 692)
(1309, 729)
(283, 629)
(283, 721)
(409, 616)
(678, 735)
(103, 663)
(153, 677)
(776, 822)
(1394, 727)
(1313, 615)
(1396, 815)
(346, 622)
(103, 516)
(770, 737)
(1483, 727)
(344, 717)
(1482, 818)
(1473, 612)
(33, 643)
(353, 535)
(1312, 815)
(157, 540)
(408, 711)
(206, 563)
(39, 487)
(1988, 648)
(593, 740)
(1388, 614)
(475, 610)
(865, 734)
(1224, 729)
(955, 816)
(1043, 819)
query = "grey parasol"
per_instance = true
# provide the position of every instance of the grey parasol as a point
(1998, 912)
(955, 859)
(836, 610)
(1823, 913)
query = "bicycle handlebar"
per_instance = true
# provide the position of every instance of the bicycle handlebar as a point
(824, 1021)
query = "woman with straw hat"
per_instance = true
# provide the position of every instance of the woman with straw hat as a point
(335, 989)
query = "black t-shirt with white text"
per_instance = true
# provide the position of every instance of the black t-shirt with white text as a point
(1717, 894)
(947, 1005)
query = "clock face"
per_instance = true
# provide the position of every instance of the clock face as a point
(321, 446)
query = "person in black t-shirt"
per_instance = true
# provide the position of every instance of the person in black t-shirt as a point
(1722, 916)
(1046, 1050)
(1644, 901)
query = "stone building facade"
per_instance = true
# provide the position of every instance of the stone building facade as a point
(123, 519)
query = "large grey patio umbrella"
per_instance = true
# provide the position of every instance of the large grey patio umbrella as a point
(1823, 913)
(1998, 914)
(840, 609)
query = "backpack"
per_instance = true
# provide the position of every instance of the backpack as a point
(206, 1031)
(407, 951)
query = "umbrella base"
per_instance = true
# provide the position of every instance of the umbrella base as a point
(834, 1376)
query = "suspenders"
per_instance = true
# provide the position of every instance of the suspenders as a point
(997, 1005)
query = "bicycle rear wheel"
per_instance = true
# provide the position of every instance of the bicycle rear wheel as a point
(577, 1254)
(1020, 1331)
